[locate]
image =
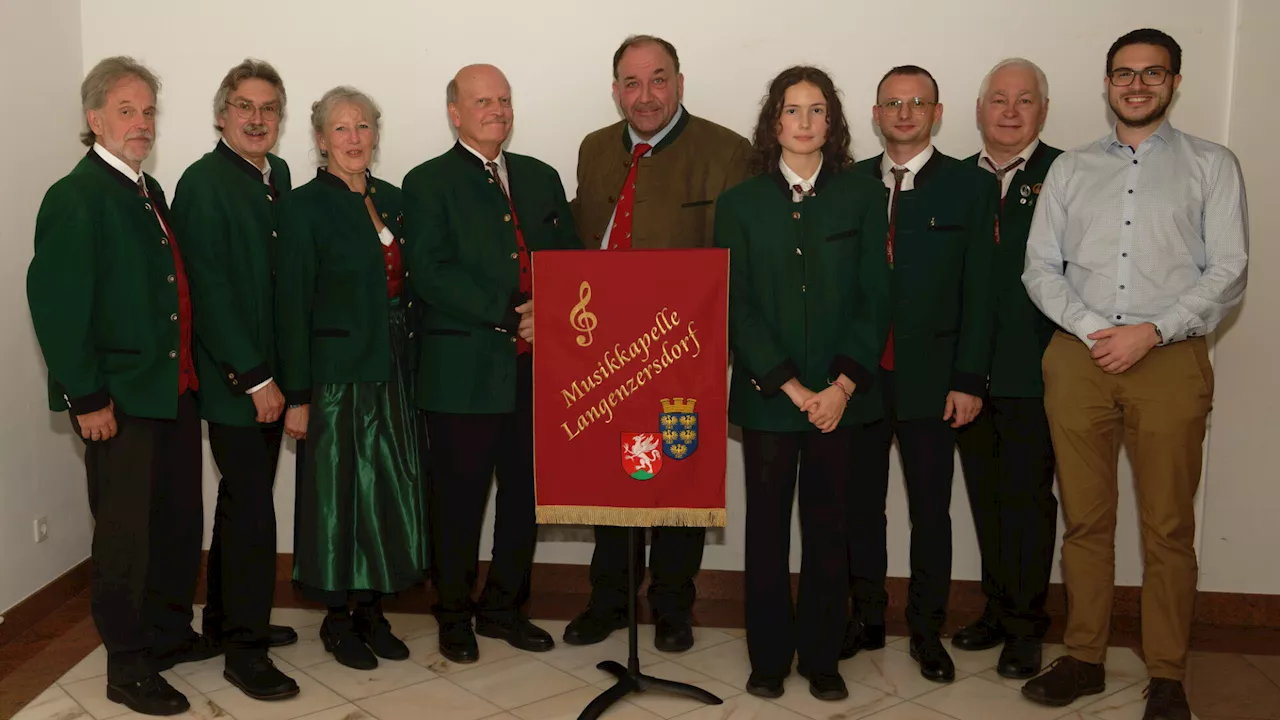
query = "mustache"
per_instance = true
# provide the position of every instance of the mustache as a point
(141, 135)
(255, 129)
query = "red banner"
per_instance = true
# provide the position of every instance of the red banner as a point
(630, 387)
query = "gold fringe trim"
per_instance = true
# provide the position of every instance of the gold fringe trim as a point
(630, 517)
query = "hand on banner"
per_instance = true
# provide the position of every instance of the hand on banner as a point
(526, 321)
(295, 421)
(962, 407)
(1119, 348)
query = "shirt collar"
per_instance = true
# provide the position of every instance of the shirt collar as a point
(116, 163)
(500, 161)
(913, 165)
(794, 179)
(1165, 132)
(266, 171)
(984, 156)
(658, 136)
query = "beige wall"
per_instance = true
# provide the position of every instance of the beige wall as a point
(40, 468)
(1241, 533)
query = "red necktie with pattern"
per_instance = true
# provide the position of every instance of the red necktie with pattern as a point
(886, 359)
(620, 235)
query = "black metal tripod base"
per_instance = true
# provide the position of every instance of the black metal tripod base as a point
(637, 682)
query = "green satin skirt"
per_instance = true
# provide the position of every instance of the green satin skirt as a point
(360, 514)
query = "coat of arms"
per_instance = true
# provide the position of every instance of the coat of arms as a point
(641, 455)
(679, 425)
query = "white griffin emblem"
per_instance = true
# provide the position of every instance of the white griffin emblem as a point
(643, 450)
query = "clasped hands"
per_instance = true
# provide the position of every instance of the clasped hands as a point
(825, 407)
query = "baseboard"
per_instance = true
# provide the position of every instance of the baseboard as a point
(558, 591)
(21, 617)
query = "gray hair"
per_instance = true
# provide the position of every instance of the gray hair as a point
(247, 70)
(322, 108)
(1041, 80)
(103, 77)
(451, 91)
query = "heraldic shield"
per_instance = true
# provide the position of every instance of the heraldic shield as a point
(679, 425)
(641, 457)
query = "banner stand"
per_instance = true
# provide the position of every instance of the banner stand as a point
(630, 679)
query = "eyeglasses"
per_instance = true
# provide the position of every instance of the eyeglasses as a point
(245, 110)
(1123, 77)
(917, 105)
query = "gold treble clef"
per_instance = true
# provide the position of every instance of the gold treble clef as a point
(582, 319)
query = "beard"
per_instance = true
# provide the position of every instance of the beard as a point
(1156, 113)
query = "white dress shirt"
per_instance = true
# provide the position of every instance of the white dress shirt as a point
(793, 179)
(1125, 236)
(500, 161)
(985, 156)
(266, 171)
(909, 180)
(635, 140)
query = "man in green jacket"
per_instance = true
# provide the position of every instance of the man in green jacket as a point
(650, 181)
(474, 215)
(112, 312)
(1006, 453)
(224, 208)
(933, 372)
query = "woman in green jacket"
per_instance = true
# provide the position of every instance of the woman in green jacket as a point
(808, 290)
(346, 368)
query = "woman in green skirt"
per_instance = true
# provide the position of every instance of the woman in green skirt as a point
(346, 356)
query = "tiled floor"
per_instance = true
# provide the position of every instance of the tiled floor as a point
(507, 684)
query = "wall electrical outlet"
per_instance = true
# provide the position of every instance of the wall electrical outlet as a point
(41, 529)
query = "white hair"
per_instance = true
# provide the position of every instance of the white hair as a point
(1041, 80)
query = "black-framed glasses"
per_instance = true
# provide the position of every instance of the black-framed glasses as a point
(1123, 77)
(245, 110)
(917, 105)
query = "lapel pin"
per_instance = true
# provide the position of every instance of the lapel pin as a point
(1025, 191)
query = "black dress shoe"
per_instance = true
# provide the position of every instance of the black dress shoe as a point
(673, 633)
(375, 631)
(860, 636)
(1066, 681)
(765, 687)
(1020, 659)
(338, 634)
(826, 686)
(935, 663)
(458, 642)
(259, 678)
(519, 633)
(1166, 700)
(192, 648)
(984, 634)
(281, 635)
(153, 695)
(593, 626)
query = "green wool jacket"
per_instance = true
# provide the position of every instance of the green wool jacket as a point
(466, 267)
(225, 220)
(332, 309)
(676, 184)
(102, 295)
(1022, 332)
(808, 294)
(942, 313)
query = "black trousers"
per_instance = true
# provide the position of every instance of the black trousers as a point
(814, 626)
(144, 493)
(241, 572)
(927, 449)
(466, 449)
(1007, 457)
(675, 555)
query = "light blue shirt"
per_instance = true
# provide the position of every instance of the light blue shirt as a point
(636, 139)
(1125, 236)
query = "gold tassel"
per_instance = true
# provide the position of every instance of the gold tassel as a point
(630, 517)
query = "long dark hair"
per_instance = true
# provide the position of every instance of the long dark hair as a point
(835, 151)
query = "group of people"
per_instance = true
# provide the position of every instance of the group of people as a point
(1025, 304)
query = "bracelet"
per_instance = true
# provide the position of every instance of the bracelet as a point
(836, 383)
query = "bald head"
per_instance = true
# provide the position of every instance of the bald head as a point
(479, 98)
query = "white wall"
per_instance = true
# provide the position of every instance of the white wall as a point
(42, 472)
(1241, 490)
(557, 55)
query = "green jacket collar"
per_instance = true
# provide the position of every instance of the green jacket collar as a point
(327, 178)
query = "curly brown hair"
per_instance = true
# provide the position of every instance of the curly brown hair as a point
(835, 151)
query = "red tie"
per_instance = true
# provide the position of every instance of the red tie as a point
(1000, 173)
(526, 281)
(886, 360)
(620, 235)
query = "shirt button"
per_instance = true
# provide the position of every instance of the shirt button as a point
(384, 216)
(1124, 254)
(411, 335)
(490, 180)
(513, 339)
(173, 354)
(1130, 192)
(172, 278)
(174, 317)
(1126, 222)
(795, 216)
(410, 304)
(506, 218)
(147, 206)
(406, 273)
(1121, 287)
(1135, 162)
(802, 288)
(401, 241)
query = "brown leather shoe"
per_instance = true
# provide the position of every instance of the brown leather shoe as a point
(1166, 700)
(1066, 681)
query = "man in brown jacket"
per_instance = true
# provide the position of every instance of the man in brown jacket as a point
(650, 181)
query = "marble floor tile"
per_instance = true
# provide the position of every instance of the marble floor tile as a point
(726, 662)
(889, 671)
(862, 701)
(569, 705)
(668, 704)
(977, 699)
(438, 699)
(355, 684)
(53, 704)
(312, 698)
(516, 682)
